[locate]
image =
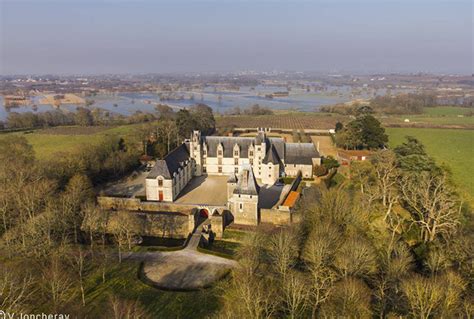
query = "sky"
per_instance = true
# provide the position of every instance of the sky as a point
(351, 36)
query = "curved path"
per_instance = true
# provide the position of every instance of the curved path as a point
(185, 269)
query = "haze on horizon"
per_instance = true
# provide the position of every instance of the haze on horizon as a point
(365, 36)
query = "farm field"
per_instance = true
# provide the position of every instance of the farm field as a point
(433, 117)
(47, 142)
(451, 147)
(299, 120)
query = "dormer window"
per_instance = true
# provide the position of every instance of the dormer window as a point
(236, 150)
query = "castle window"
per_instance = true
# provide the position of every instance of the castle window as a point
(236, 153)
(241, 206)
(204, 169)
(236, 170)
(219, 169)
(160, 182)
(251, 153)
(219, 152)
(236, 161)
(251, 161)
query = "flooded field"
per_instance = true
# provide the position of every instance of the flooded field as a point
(220, 101)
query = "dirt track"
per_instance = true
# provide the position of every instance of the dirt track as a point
(326, 146)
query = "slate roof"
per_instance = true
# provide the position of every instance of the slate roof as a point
(300, 153)
(228, 143)
(271, 156)
(171, 163)
(249, 188)
(279, 145)
(232, 179)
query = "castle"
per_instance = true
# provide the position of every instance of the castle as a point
(249, 162)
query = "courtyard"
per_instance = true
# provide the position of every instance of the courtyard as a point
(131, 186)
(205, 190)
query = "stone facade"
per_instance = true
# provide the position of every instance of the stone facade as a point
(245, 159)
(170, 175)
(243, 199)
(270, 158)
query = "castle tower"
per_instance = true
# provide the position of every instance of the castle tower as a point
(196, 152)
(260, 151)
(243, 202)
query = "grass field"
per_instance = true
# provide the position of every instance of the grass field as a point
(439, 116)
(455, 148)
(47, 142)
(446, 111)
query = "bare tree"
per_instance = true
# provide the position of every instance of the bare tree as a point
(423, 295)
(250, 295)
(432, 204)
(15, 292)
(283, 251)
(318, 253)
(78, 259)
(386, 173)
(356, 258)
(57, 282)
(350, 298)
(125, 226)
(126, 309)
(94, 222)
(296, 293)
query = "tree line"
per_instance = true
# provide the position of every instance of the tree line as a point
(96, 116)
(393, 241)
(255, 109)
(172, 128)
(408, 103)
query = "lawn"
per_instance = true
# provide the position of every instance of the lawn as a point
(122, 281)
(455, 148)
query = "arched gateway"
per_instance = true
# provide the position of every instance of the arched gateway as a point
(204, 213)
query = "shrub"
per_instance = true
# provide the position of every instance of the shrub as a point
(320, 170)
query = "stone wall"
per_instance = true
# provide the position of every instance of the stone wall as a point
(217, 225)
(167, 225)
(160, 219)
(275, 216)
(135, 204)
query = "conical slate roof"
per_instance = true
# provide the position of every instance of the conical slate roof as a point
(247, 184)
(232, 179)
